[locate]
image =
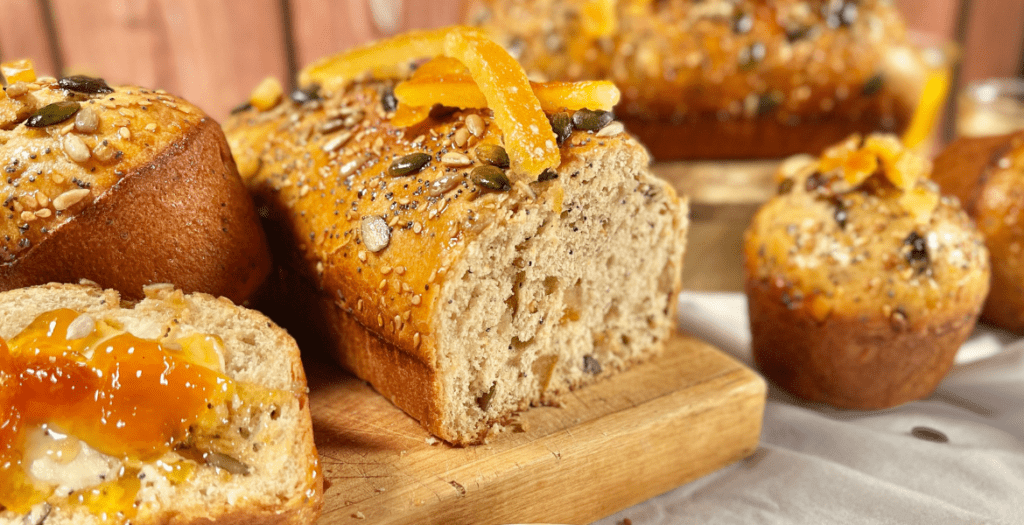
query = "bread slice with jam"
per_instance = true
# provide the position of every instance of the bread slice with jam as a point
(175, 409)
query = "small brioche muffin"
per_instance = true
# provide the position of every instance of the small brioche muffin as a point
(987, 175)
(862, 281)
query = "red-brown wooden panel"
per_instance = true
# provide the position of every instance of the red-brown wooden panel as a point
(995, 33)
(222, 48)
(936, 18)
(324, 27)
(23, 34)
(211, 52)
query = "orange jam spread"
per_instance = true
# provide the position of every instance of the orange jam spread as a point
(128, 398)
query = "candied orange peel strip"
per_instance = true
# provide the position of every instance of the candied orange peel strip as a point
(388, 58)
(529, 139)
(461, 91)
(18, 71)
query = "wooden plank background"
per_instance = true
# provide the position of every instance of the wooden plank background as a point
(213, 52)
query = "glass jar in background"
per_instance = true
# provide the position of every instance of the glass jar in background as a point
(991, 107)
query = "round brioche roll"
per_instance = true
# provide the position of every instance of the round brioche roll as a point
(134, 187)
(725, 79)
(271, 474)
(862, 281)
(987, 175)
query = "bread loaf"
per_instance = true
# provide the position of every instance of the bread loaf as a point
(460, 293)
(255, 462)
(987, 175)
(125, 187)
(862, 282)
(725, 79)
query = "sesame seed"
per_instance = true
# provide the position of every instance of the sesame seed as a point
(455, 160)
(416, 300)
(362, 256)
(151, 127)
(475, 125)
(417, 227)
(28, 216)
(398, 322)
(611, 130)
(400, 270)
(461, 137)
(124, 133)
(43, 213)
(75, 148)
(383, 284)
(337, 142)
(433, 275)
(380, 321)
(69, 198)
(384, 270)
(319, 267)
(416, 340)
(42, 199)
(406, 288)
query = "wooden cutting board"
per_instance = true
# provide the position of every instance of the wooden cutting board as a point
(609, 446)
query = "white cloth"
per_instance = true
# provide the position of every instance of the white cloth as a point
(819, 466)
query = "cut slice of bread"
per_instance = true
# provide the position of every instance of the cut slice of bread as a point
(271, 472)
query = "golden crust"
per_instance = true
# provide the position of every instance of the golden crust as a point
(728, 74)
(987, 174)
(146, 193)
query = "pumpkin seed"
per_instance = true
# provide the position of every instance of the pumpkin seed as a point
(84, 84)
(309, 93)
(53, 114)
(493, 154)
(490, 177)
(408, 164)
(590, 120)
(561, 124)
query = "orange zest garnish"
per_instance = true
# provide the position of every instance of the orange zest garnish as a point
(470, 71)
(929, 108)
(406, 116)
(461, 91)
(387, 59)
(529, 140)
(18, 71)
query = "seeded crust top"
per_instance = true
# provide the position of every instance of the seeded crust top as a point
(786, 60)
(51, 173)
(834, 248)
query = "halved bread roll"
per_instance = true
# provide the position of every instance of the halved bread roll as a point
(123, 186)
(462, 290)
(249, 459)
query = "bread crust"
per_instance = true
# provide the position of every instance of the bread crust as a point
(862, 362)
(724, 79)
(385, 307)
(166, 207)
(987, 175)
(300, 506)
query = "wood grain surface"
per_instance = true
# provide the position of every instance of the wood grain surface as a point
(631, 437)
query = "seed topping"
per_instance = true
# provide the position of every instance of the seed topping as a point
(376, 233)
(490, 177)
(53, 114)
(84, 84)
(589, 120)
(408, 164)
(493, 154)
